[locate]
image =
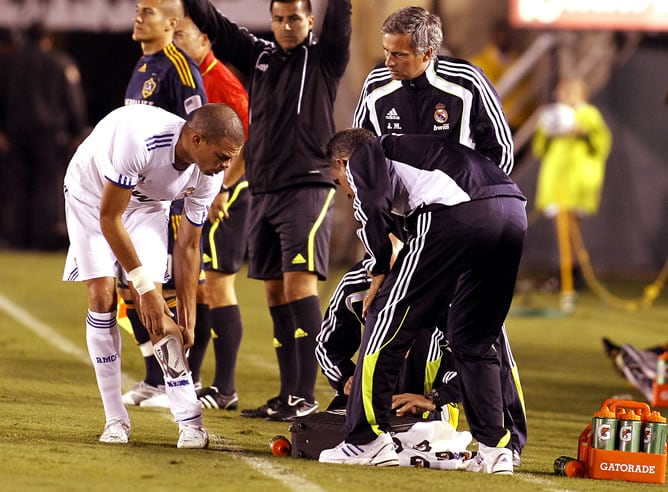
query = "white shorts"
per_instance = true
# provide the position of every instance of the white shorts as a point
(90, 256)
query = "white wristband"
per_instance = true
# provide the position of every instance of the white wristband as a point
(140, 280)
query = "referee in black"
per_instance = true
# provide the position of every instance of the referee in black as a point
(467, 223)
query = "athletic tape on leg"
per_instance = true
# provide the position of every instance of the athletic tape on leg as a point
(169, 353)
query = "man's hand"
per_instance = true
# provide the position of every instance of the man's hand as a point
(218, 209)
(348, 386)
(188, 337)
(154, 313)
(376, 282)
(410, 403)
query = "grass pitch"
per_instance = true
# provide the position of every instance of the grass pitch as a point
(51, 415)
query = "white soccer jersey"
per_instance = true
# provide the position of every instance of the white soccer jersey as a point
(134, 147)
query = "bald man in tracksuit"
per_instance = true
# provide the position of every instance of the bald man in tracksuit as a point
(467, 222)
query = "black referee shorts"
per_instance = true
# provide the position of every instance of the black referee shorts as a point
(226, 242)
(290, 231)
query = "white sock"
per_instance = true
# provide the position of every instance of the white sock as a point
(104, 343)
(183, 401)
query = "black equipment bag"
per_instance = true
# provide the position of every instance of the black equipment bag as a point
(324, 430)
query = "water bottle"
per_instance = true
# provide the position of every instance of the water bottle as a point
(654, 433)
(566, 466)
(604, 425)
(629, 430)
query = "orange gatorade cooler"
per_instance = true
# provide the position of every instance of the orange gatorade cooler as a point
(605, 463)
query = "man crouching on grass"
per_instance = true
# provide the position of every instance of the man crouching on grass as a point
(466, 223)
(118, 188)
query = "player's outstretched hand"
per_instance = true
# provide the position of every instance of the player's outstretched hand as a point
(410, 403)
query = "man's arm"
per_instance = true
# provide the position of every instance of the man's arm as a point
(491, 133)
(369, 178)
(229, 42)
(364, 116)
(218, 208)
(187, 264)
(152, 307)
(335, 35)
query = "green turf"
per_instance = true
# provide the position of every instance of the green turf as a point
(51, 416)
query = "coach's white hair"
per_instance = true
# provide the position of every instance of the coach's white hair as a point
(424, 28)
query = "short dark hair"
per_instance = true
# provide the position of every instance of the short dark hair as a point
(345, 142)
(215, 121)
(307, 4)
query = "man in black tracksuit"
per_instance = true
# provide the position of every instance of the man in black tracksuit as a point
(449, 97)
(466, 224)
(340, 337)
(292, 86)
(416, 91)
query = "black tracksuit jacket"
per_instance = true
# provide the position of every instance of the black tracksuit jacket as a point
(291, 94)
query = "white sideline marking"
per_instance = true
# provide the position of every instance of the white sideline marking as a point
(50, 335)
(280, 474)
(44, 331)
(542, 482)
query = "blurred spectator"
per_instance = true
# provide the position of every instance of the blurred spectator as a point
(7, 46)
(495, 58)
(573, 142)
(43, 118)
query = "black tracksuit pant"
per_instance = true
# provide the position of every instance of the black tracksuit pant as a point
(460, 262)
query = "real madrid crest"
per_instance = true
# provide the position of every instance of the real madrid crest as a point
(149, 88)
(440, 114)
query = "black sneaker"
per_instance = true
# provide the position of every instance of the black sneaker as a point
(338, 403)
(211, 398)
(261, 412)
(295, 407)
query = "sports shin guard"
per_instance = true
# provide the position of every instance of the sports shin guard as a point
(179, 385)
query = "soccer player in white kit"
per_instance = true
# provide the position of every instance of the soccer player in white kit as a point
(118, 188)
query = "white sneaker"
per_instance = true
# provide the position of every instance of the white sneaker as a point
(116, 432)
(491, 460)
(517, 458)
(159, 400)
(192, 437)
(379, 452)
(142, 391)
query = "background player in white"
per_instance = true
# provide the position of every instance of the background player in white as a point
(118, 188)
